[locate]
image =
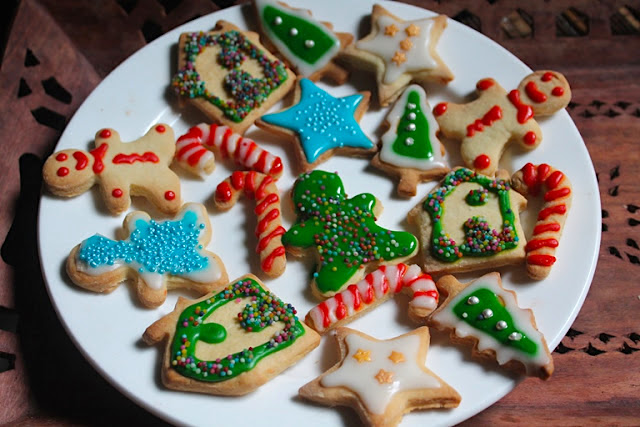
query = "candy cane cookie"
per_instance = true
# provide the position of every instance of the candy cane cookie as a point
(269, 229)
(541, 249)
(377, 287)
(192, 151)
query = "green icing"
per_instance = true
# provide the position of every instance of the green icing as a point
(343, 231)
(477, 197)
(487, 299)
(263, 310)
(307, 30)
(480, 239)
(413, 143)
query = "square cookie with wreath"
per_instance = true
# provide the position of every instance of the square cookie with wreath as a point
(470, 222)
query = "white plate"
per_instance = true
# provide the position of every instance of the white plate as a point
(107, 328)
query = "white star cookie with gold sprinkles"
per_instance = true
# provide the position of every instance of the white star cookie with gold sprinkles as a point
(382, 379)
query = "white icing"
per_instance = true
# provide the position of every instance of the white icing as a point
(360, 377)
(387, 154)
(386, 46)
(304, 68)
(521, 318)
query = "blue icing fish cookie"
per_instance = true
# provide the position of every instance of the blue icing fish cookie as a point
(157, 255)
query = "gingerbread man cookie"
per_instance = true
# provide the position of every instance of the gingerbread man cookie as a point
(487, 124)
(122, 170)
(156, 255)
(400, 52)
(229, 75)
(308, 46)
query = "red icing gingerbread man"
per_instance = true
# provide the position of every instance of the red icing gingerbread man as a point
(487, 124)
(138, 168)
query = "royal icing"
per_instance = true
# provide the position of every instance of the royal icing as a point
(243, 92)
(321, 121)
(257, 310)
(378, 285)
(411, 140)
(480, 239)
(343, 231)
(388, 368)
(404, 46)
(155, 250)
(192, 153)
(489, 313)
(306, 43)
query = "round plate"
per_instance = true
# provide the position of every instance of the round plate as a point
(108, 328)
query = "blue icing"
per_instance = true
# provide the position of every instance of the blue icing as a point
(321, 121)
(158, 247)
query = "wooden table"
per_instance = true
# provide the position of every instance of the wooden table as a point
(57, 51)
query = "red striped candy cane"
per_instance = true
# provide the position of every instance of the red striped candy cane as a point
(192, 153)
(529, 181)
(377, 287)
(269, 229)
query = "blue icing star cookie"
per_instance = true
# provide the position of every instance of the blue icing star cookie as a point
(321, 122)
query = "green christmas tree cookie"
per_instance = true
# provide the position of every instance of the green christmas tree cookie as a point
(343, 232)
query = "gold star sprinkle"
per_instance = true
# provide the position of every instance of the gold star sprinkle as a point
(384, 376)
(412, 30)
(399, 58)
(396, 357)
(390, 30)
(406, 44)
(362, 355)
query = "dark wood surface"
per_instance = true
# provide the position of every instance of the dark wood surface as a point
(57, 51)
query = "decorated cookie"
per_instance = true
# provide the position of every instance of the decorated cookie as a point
(321, 125)
(307, 45)
(470, 222)
(377, 287)
(555, 188)
(484, 314)
(229, 75)
(410, 148)
(487, 124)
(400, 52)
(342, 232)
(156, 255)
(122, 170)
(382, 380)
(269, 229)
(193, 155)
(230, 342)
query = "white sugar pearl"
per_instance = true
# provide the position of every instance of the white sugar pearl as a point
(408, 141)
(501, 325)
(277, 20)
(411, 127)
(293, 31)
(309, 44)
(473, 300)
(411, 116)
(487, 313)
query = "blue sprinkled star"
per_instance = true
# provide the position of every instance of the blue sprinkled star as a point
(321, 121)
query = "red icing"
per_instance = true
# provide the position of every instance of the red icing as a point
(276, 166)
(556, 194)
(430, 293)
(195, 157)
(341, 310)
(546, 77)
(369, 297)
(117, 193)
(61, 157)
(543, 171)
(261, 191)
(81, 160)
(98, 154)
(250, 184)
(543, 228)
(135, 157)
(237, 180)
(264, 242)
(357, 302)
(484, 84)
(525, 112)
(482, 162)
(493, 115)
(262, 161)
(223, 192)
(250, 150)
(557, 91)
(326, 321)
(262, 206)
(267, 264)
(63, 171)
(557, 209)
(530, 138)
(440, 109)
(400, 271)
(541, 243)
(543, 260)
(264, 223)
(534, 93)
(169, 195)
(105, 133)
(224, 150)
(160, 129)
(187, 148)
(530, 177)
(554, 179)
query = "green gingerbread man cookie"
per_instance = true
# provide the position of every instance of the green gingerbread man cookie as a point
(343, 232)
